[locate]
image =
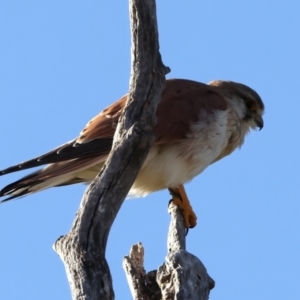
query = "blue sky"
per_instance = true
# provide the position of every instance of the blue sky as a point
(61, 62)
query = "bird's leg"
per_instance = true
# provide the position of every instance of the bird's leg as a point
(180, 198)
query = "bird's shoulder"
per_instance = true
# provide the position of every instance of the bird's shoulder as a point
(183, 104)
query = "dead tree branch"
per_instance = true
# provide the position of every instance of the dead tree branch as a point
(83, 249)
(181, 277)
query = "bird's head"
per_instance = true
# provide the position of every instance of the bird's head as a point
(245, 100)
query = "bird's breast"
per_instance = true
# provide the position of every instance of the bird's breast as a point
(170, 165)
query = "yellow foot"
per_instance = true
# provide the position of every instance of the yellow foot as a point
(180, 198)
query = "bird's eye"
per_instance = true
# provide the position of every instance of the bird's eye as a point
(251, 105)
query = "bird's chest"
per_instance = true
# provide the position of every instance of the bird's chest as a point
(182, 161)
(205, 142)
(172, 164)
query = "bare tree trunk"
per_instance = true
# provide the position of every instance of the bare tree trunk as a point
(181, 277)
(83, 249)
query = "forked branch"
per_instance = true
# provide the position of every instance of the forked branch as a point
(181, 277)
(83, 248)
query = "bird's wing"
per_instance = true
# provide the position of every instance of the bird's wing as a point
(94, 140)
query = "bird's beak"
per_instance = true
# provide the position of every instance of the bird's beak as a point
(259, 122)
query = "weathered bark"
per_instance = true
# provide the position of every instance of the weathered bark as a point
(143, 286)
(181, 277)
(83, 248)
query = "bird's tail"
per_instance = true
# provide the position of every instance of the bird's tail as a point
(56, 174)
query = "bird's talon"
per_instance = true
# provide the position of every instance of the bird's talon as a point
(180, 199)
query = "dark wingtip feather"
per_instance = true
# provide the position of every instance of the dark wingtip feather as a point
(22, 166)
(68, 151)
(10, 170)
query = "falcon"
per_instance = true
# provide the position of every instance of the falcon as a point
(197, 125)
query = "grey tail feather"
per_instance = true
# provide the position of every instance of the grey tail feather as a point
(23, 193)
(19, 184)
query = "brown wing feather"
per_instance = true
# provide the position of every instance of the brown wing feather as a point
(181, 105)
(104, 124)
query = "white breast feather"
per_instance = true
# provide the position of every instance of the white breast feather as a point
(173, 164)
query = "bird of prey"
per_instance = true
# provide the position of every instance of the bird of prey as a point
(197, 125)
